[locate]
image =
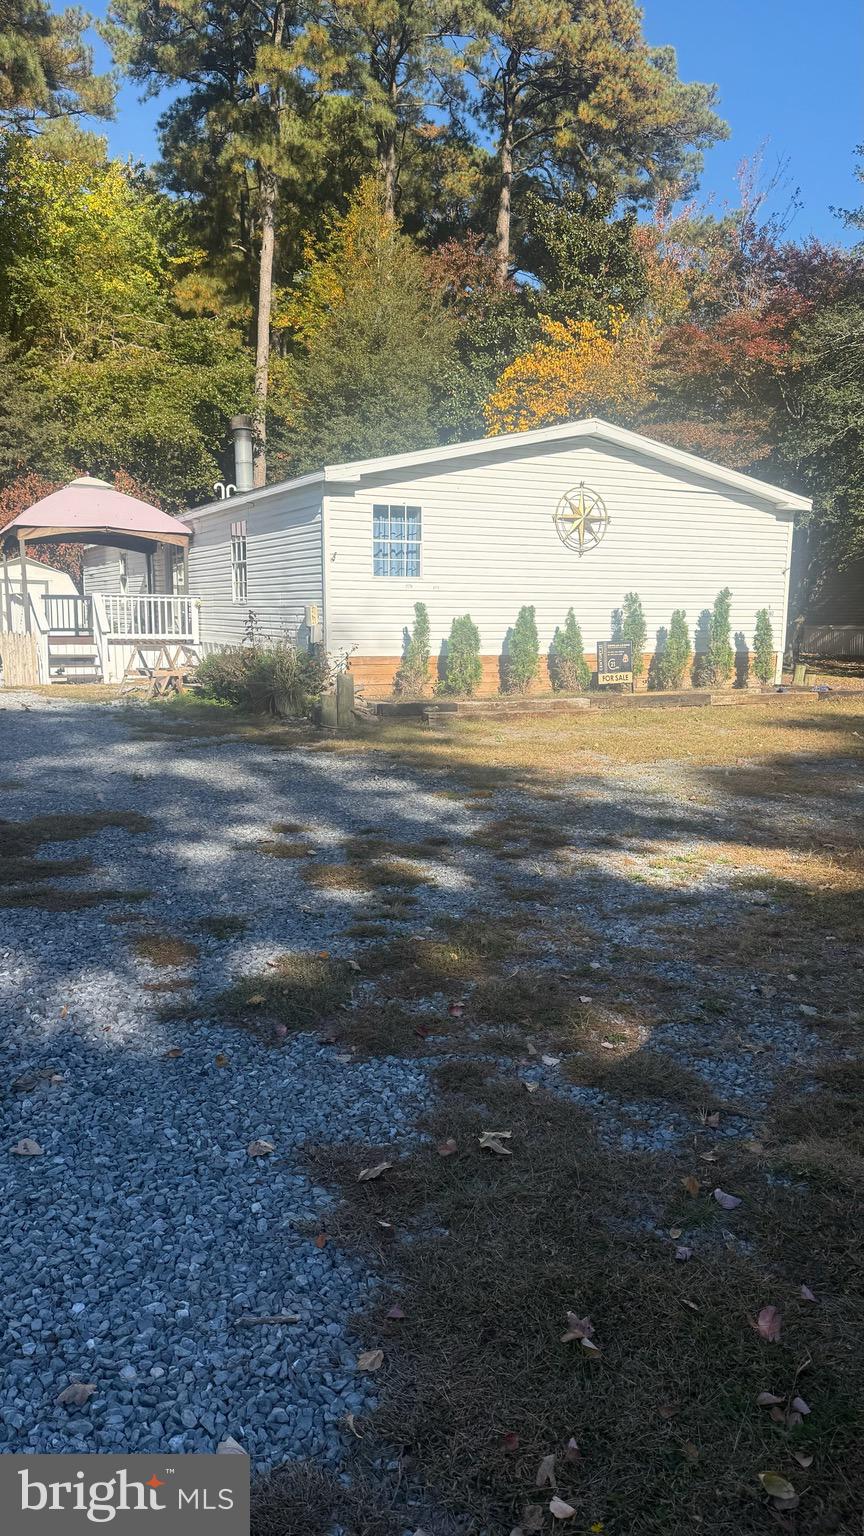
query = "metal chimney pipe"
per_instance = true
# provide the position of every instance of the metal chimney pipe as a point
(241, 431)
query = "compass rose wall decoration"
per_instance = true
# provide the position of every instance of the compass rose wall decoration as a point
(581, 519)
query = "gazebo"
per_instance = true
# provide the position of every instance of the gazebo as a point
(90, 511)
(95, 635)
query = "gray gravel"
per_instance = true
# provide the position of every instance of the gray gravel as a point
(133, 1244)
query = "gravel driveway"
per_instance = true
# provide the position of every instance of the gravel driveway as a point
(142, 1232)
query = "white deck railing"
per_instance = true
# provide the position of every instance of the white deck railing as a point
(149, 618)
(68, 614)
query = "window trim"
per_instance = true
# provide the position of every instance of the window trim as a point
(239, 560)
(390, 507)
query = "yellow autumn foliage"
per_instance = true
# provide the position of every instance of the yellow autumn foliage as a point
(575, 367)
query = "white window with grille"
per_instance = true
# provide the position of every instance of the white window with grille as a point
(396, 540)
(238, 563)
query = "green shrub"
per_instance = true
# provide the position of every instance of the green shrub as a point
(675, 657)
(569, 670)
(720, 659)
(763, 647)
(413, 676)
(631, 626)
(463, 669)
(274, 679)
(523, 654)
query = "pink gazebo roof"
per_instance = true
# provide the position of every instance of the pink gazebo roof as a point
(91, 510)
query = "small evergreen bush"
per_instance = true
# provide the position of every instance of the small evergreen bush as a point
(570, 671)
(274, 678)
(675, 658)
(721, 657)
(632, 627)
(523, 655)
(763, 647)
(463, 669)
(413, 676)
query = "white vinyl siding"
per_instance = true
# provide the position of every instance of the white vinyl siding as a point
(490, 545)
(103, 571)
(283, 566)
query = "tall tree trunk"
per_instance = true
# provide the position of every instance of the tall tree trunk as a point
(505, 186)
(389, 167)
(265, 306)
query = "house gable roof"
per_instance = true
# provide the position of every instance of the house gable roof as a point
(592, 428)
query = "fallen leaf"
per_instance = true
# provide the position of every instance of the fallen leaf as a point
(353, 965)
(776, 1486)
(530, 1087)
(493, 1141)
(572, 1452)
(798, 1405)
(260, 1148)
(691, 1184)
(585, 999)
(173, 1053)
(810, 1013)
(546, 1472)
(76, 1394)
(728, 1202)
(768, 1324)
(559, 1510)
(778, 1415)
(323, 954)
(803, 1459)
(447, 1148)
(370, 1360)
(691, 1304)
(366, 1174)
(455, 1009)
(667, 1410)
(807, 1294)
(351, 1423)
(675, 1232)
(683, 1253)
(551, 1061)
(767, 1399)
(577, 1328)
(256, 1000)
(396, 1313)
(706, 1119)
(590, 1347)
(220, 1059)
(510, 1441)
(27, 1147)
(690, 1451)
(530, 1048)
(708, 1157)
(321, 1240)
(607, 1045)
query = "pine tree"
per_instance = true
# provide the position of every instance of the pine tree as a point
(463, 671)
(523, 653)
(634, 628)
(675, 658)
(570, 671)
(721, 657)
(763, 647)
(46, 68)
(412, 679)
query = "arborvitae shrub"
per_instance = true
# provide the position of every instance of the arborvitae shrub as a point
(675, 659)
(463, 669)
(634, 629)
(721, 657)
(523, 655)
(413, 675)
(570, 671)
(763, 647)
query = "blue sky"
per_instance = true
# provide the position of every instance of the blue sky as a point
(789, 73)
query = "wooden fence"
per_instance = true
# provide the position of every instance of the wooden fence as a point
(20, 656)
(839, 642)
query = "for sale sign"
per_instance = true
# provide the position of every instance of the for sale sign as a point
(614, 662)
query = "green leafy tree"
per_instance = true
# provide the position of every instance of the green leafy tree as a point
(763, 647)
(463, 669)
(90, 256)
(573, 97)
(246, 105)
(631, 625)
(412, 679)
(570, 671)
(375, 342)
(523, 653)
(675, 656)
(46, 68)
(720, 658)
